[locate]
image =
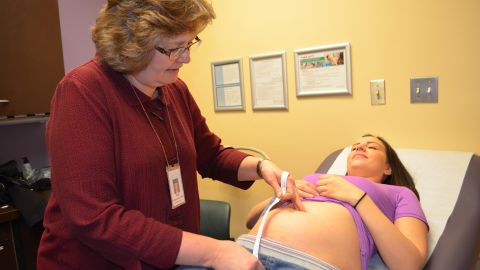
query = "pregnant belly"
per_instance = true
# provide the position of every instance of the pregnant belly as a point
(325, 230)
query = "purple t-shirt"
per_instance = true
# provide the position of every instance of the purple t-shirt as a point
(394, 201)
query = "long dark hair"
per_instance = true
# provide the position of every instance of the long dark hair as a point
(400, 175)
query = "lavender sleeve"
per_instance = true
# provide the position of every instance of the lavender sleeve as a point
(409, 206)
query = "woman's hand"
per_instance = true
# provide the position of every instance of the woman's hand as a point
(202, 251)
(272, 175)
(230, 255)
(334, 186)
(306, 189)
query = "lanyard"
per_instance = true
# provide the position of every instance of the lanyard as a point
(273, 202)
(155, 131)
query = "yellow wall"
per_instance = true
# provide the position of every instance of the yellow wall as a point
(391, 40)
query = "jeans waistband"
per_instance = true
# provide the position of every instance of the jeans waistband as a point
(281, 251)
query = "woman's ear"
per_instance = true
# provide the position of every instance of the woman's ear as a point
(388, 170)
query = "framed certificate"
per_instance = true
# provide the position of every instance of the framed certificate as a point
(228, 85)
(269, 81)
(324, 70)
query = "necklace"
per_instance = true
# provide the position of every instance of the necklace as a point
(155, 131)
(174, 174)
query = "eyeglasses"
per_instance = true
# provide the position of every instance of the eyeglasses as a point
(175, 53)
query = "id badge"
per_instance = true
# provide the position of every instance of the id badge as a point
(175, 185)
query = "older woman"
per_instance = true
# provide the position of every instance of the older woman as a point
(347, 217)
(126, 140)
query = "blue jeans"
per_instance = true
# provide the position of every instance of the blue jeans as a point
(277, 256)
(270, 263)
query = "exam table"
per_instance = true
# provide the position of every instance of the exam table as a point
(449, 187)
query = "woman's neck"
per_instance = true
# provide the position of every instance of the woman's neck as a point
(146, 89)
(369, 176)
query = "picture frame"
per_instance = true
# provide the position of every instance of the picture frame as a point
(323, 70)
(228, 89)
(268, 78)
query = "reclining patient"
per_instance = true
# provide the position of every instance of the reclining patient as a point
(347, 218)
(375, 207)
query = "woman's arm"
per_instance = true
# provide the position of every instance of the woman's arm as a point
(304, 189)
(254, 213)
(272, 175)
(403, 244)
(199, 250)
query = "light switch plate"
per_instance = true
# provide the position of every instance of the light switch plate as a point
(424, 90)
(377, 92)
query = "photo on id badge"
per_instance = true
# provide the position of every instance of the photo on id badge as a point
(175, 185)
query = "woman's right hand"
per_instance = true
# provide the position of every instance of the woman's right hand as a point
(201, 251)
(306, 189)
(230, 255)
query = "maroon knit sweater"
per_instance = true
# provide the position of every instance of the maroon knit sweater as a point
(110, 206)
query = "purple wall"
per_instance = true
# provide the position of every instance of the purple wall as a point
(76, 18)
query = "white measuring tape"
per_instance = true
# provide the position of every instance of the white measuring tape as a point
(273, 201)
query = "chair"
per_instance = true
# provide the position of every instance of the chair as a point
(215, 219)
(449, 187)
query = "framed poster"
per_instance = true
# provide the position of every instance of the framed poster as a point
(324, 70)
(228, 85)
(269, 81)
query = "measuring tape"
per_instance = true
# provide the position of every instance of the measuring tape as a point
(273, 201)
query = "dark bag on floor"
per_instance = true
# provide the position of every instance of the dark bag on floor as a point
(9, 174)
(24, 198)
(29, 203)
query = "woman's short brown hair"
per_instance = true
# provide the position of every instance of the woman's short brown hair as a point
(126, 31)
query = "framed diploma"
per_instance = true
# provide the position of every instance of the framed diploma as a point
(228, 85)
(269, 81)
(324, 70)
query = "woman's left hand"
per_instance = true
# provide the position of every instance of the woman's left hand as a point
(334, 186)
(306, 189)
(272, 175)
